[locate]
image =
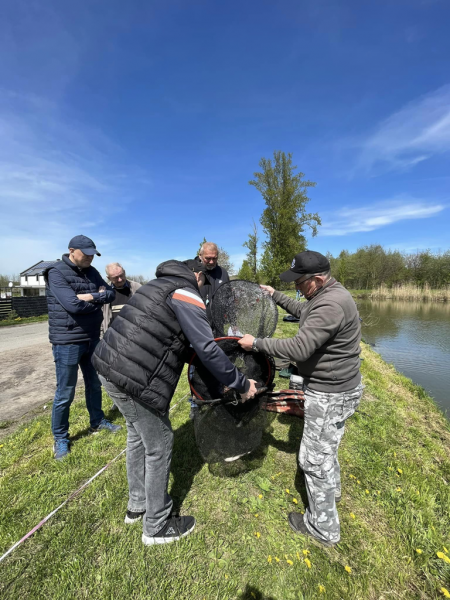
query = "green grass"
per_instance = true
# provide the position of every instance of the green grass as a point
(23, 321)
(395, 459)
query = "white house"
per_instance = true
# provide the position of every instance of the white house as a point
(32, 279)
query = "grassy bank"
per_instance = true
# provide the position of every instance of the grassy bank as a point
(395, 461)
(24, 321)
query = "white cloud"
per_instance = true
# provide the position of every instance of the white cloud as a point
(415, 133)
(353, 220)
(56, 180)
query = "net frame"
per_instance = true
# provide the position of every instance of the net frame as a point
(267, 383)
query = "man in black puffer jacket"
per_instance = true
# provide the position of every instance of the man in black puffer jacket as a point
(76, 293)
(140, 360)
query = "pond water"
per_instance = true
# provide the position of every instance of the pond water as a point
(415, 337)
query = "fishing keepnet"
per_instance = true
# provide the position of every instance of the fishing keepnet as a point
(240, 307)
(230, 428)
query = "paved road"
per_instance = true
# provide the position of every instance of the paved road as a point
(23, 336)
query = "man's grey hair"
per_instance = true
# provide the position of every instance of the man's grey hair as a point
(210, 246)
(111, 266)
(326, 274)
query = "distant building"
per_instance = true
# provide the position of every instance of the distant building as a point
(32, 279)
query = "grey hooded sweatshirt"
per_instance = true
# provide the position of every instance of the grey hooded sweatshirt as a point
(327, 345)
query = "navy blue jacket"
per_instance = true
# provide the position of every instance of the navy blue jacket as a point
(71, 320)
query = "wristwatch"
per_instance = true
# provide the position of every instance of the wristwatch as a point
(254, 348)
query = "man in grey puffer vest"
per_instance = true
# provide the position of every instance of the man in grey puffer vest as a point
(326, 350)
(140, 360)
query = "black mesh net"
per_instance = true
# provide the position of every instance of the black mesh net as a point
(240, 307)
(230, 428)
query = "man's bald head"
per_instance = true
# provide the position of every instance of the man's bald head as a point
(209, 254)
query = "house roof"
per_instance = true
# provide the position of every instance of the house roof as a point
(39, 267)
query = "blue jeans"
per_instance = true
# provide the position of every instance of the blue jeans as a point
(149, 454)
(67, 358)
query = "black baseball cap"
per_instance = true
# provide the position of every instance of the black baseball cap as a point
(306, 263)
(85, 244)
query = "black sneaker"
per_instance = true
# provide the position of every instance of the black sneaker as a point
(133, 517)
(297, 524)
(174, 529)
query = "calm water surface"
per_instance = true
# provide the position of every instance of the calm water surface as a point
(415, 337)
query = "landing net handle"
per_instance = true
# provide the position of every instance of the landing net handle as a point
(267, 384)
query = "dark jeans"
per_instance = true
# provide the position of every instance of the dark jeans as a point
(67, 358)
(149, 454)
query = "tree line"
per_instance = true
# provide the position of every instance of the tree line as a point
(372, 266)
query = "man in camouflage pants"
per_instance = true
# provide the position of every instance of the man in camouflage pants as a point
(326, 350)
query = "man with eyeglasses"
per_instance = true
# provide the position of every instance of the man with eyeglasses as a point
(326, 349)
(215, 275)
(124, 288)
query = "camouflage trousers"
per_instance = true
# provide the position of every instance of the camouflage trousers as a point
(325, 416)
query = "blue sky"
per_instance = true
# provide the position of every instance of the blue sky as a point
(140, 124)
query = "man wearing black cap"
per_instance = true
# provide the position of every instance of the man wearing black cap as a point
(76, 293)
(326, 350)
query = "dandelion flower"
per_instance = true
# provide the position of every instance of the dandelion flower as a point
(1, 445)
(289, 562)
(352, 515)
(367, 491)
(399, 471)
(269, 559)
(321, 589)
(298, 556)
(378, 492)
(358, 481)
(278, 474)
(306, 552)
(419, 551)
(257, 515)
(399, 489)
(287, 491)
(445, 591)
(294, 500)
(277, 559)
(226, 576)
(260, 496)
(308, 563)
(446, 559)
(445, 550)
(258, 535)
(440, 554)
(348, 569)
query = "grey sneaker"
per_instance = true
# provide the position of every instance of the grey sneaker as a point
(105, 424)
(133, 517)
(61, 449)
(174, 529)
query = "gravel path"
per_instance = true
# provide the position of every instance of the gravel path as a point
(27, 372)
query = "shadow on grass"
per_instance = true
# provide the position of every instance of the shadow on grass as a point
(186, 463)
(291, 446)
(252, 593)
(187, 460)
